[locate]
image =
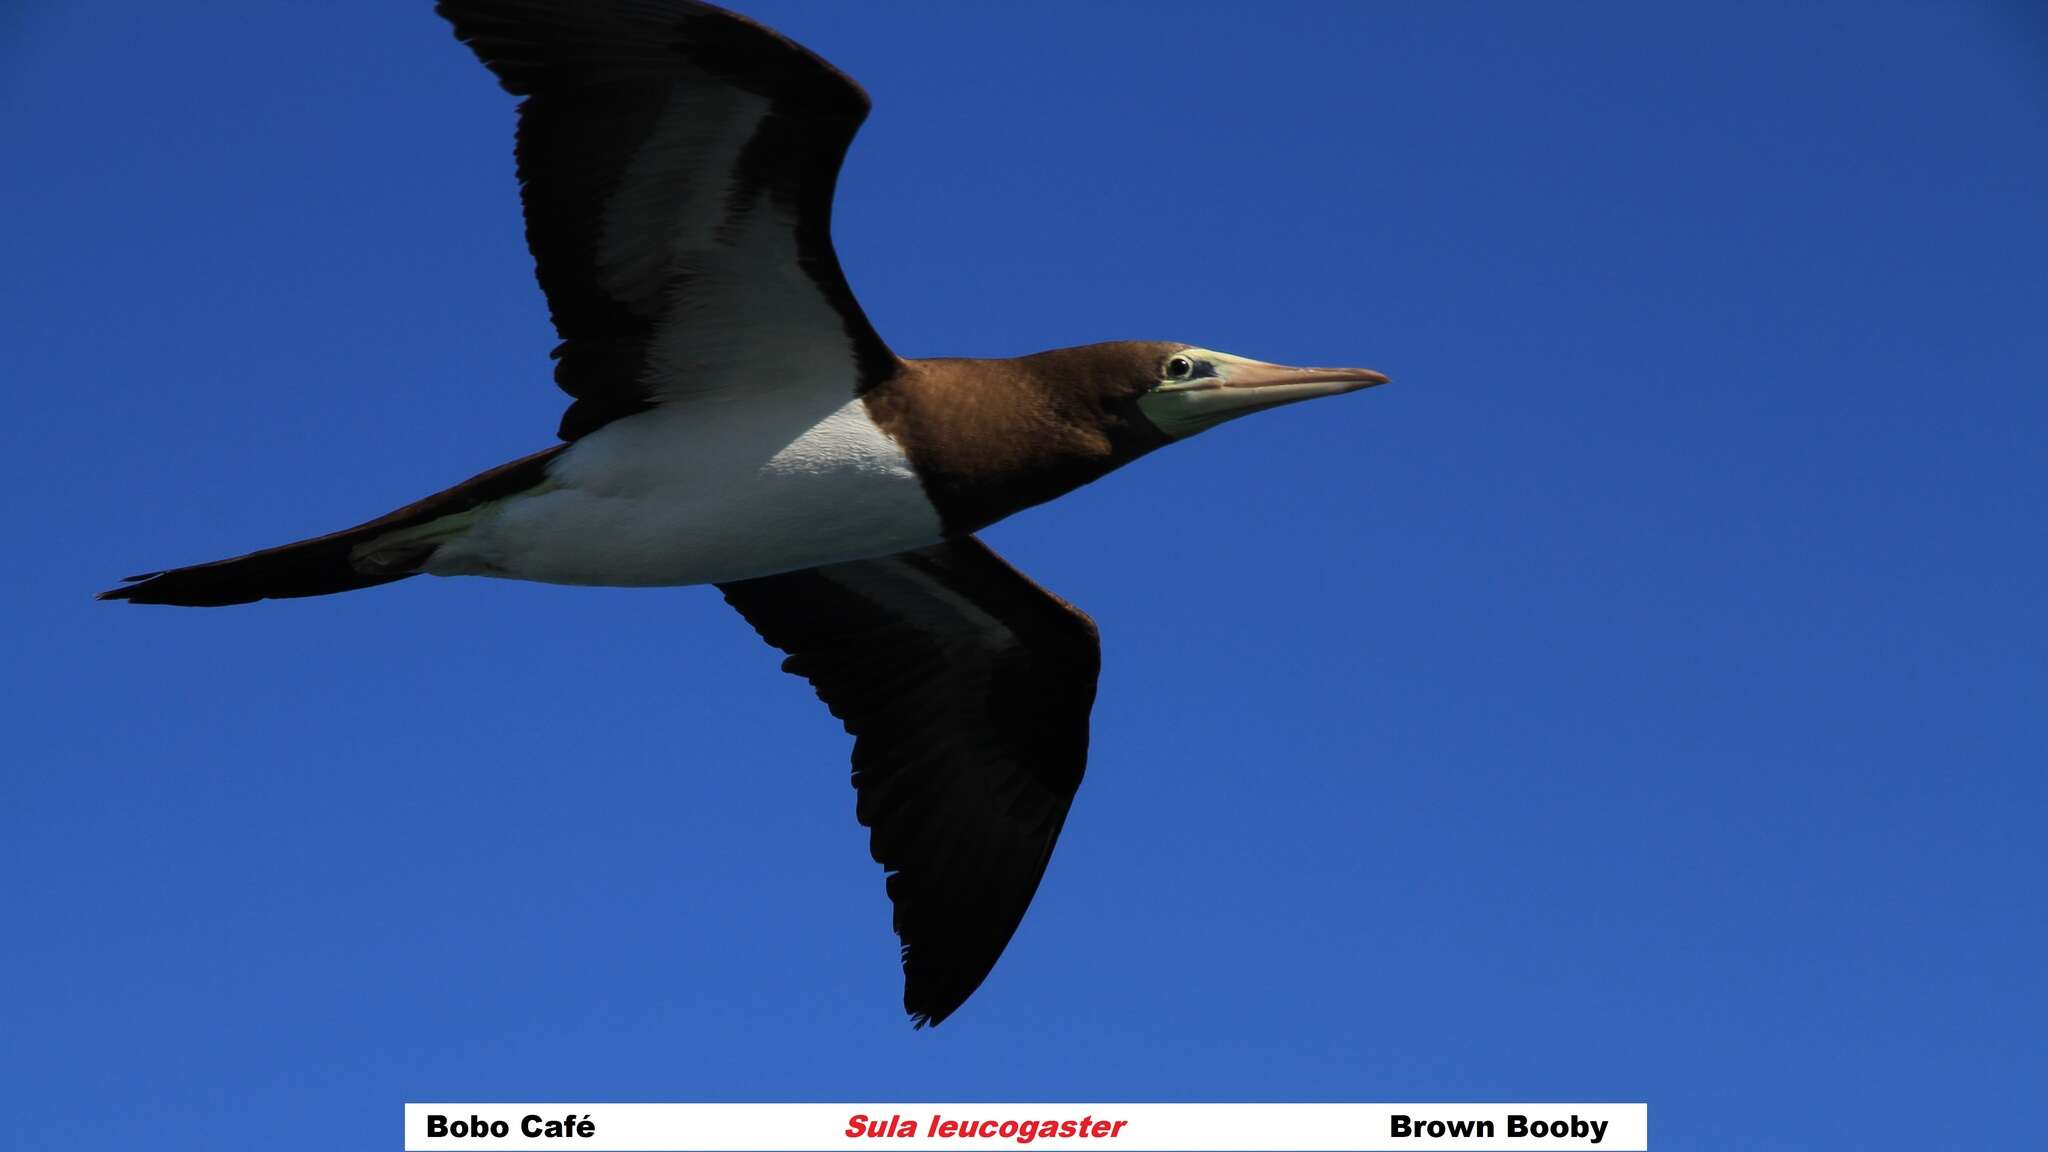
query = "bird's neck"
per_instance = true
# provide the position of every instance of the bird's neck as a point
(990, 438)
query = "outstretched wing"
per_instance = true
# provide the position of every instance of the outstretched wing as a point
(677, 163)
(967, 688)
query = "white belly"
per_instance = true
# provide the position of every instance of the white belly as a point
(719, 489)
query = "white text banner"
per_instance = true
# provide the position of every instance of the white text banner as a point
(1034, 1127)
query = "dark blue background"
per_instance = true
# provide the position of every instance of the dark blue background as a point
(1641, 699)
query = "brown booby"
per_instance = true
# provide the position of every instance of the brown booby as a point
(736, 421)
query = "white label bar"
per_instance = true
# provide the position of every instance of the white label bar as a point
(1036, 1127)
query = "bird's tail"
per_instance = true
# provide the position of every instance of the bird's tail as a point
(339, 561)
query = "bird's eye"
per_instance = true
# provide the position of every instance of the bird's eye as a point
(1179, 368)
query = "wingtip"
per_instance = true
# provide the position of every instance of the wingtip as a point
(927, 1016)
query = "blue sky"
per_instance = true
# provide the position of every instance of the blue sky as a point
(1644, 698)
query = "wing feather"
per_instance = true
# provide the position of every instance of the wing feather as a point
(676, 166)
(967, 689)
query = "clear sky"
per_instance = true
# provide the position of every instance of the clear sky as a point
(1644, 698)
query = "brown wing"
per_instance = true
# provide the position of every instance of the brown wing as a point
(967, 688)
(677, 164)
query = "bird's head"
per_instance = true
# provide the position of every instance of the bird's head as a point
(1146, 393)
(992, 437)
(1185, 390)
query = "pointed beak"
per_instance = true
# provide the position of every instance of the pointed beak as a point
(1279, 384)
(1241, 387)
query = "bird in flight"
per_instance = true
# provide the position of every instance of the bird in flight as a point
(734, 420)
